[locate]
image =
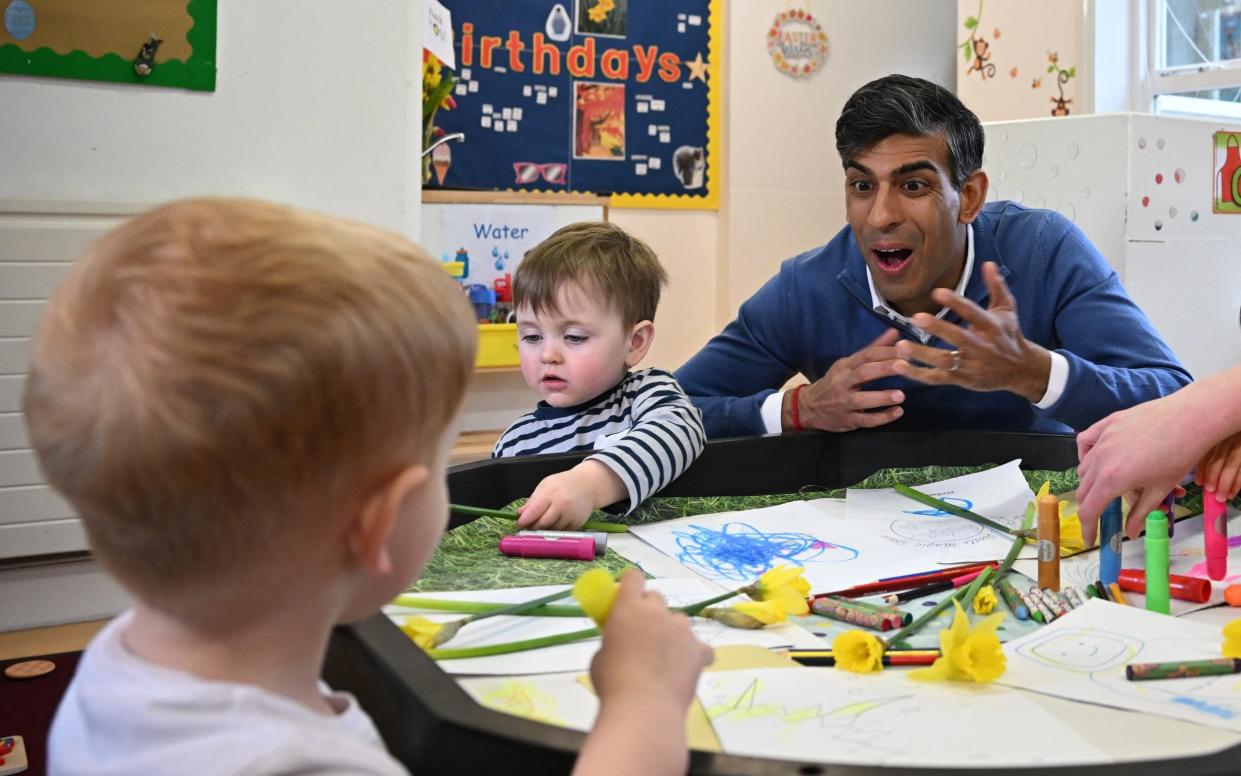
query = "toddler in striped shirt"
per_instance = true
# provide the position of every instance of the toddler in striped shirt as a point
(585, 300)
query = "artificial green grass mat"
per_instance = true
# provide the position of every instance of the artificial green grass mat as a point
(468, 557)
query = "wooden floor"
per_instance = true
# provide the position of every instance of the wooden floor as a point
(470, 446)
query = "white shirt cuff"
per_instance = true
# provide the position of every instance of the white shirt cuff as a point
(773, 407)
(1056, 381)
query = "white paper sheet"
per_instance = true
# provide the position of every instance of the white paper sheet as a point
(576, 656)
(883, 719)
(1000, 494)
(1186, 556)
(734, 548)
(555, 699)
(1082, 656)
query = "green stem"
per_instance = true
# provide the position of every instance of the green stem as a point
(504, 514)
(693, 609)
(522, 607)
(917, 624)
(952, 509)
(512, 646)
(474, 607)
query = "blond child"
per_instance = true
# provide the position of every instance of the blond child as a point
(585, 300)
(1145, 451)
(251, 408)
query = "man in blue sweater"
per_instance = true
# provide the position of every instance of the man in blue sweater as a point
(931, 310)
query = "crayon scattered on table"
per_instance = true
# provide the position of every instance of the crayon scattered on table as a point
(1035, 613)
(1111, 534)
(1158, 592)
(1215, 534)
(906, 582)
(1090, 591)
(1182, 669)
(1232, 594)
(1075, 598)
(1036, 597)
(848, 611)
(892, 657)
(1053, 601)
(1104, 592)
(1117, 596)
(1193, 589)
(905, 617)
(1049, 542)
(1012, 597)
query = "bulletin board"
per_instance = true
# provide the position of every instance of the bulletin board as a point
(611, 97)
(100, 40)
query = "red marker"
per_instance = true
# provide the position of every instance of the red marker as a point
(572, 548)
(1215, 534)
(1193, 589)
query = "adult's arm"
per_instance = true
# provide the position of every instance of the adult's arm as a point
(1116, 358)
(740, 367)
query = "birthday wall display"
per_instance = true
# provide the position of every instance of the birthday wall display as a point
(602, 96)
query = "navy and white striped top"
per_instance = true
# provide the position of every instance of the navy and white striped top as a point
(645, 430)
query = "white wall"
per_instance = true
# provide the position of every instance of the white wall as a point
(313, 106)
(785, 189)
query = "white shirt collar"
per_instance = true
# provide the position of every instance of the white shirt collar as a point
(880, 305)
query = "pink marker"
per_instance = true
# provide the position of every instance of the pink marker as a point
(572, 548)
(1215, 534)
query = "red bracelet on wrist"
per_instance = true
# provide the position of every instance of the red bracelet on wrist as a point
(796, 419)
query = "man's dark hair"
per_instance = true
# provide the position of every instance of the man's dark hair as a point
(903, 105)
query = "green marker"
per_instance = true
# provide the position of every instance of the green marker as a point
(1158, 593)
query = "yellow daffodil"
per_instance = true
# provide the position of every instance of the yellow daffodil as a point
(428, 634)
(858, 651)
(969, 654)
(748, 614)
(1232, 639)
(595, 591)
(598, 13)
(1071, 540)
(784, 584)
(984, 600)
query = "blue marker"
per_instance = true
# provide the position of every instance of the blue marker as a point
(1110, 536)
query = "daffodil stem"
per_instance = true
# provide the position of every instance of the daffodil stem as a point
(694, 609)
(505, 514)
(917, 624)
(476, 607)
(953, 509)
(512, 646)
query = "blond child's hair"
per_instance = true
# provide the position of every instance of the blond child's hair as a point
(216, 379)
(610, 264)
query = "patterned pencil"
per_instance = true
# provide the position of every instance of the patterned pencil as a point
(1013, 598)
(1036, 596)
(850, 612)
(1184, 669)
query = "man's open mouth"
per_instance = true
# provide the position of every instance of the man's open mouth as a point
(892, 261)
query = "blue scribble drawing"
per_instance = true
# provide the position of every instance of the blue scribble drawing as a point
(1205, 707)
(741, 552)
(964, 503)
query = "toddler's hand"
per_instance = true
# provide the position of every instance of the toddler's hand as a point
(1140, 453)
(649, 655)
(1220, 469)
(564, 501)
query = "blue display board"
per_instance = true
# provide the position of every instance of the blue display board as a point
(602, 96)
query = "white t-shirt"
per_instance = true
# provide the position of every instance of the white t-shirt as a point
(123, 715)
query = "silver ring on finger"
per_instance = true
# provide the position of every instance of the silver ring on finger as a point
(956, 360)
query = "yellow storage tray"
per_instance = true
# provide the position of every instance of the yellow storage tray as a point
(497, 345)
